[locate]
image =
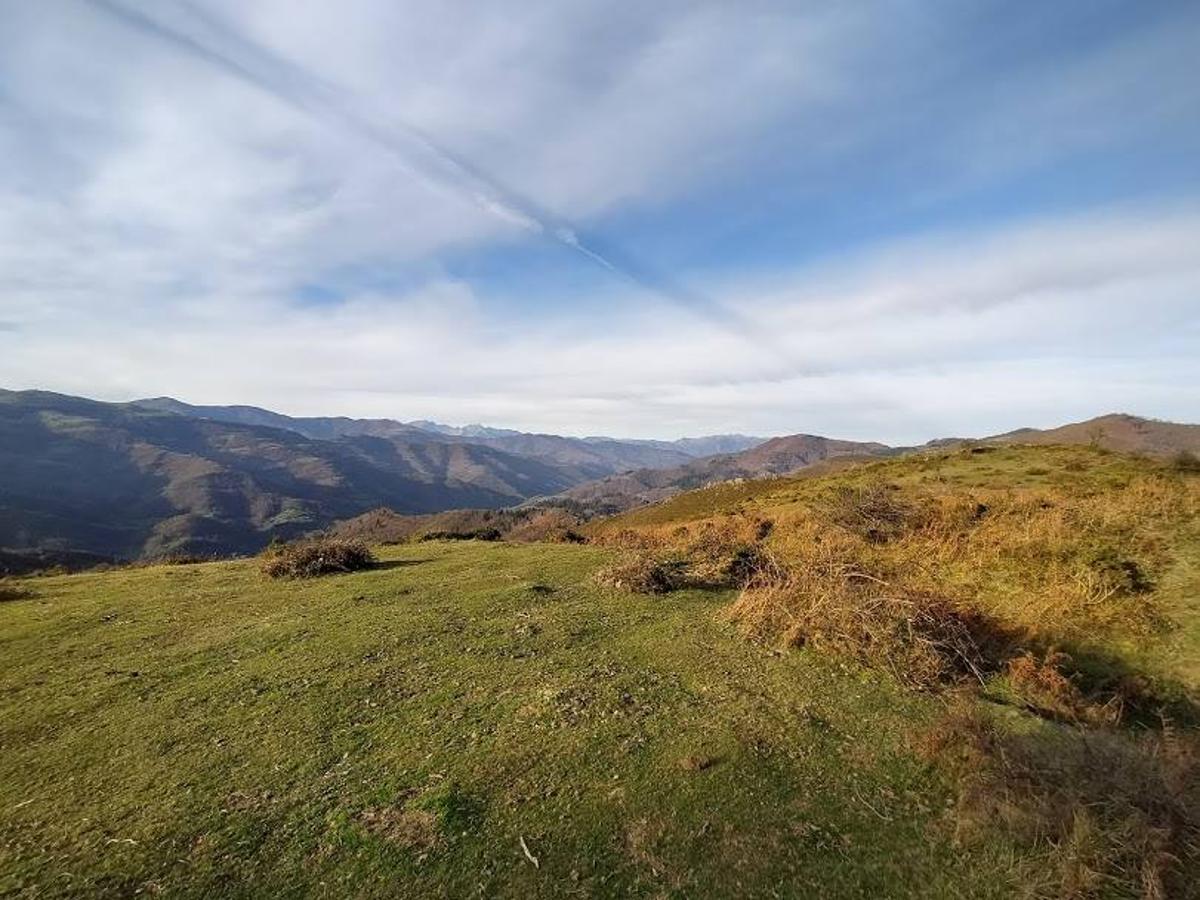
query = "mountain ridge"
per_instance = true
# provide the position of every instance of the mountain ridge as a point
(86, 479)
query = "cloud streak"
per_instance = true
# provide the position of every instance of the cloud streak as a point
(418, 152)
(1039, 344)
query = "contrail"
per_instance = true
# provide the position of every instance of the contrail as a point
(432, 163)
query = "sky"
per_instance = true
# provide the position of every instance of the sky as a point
(891, 220)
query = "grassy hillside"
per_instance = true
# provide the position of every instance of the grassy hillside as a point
(434, 725)
(1041, 537)
(777, 456)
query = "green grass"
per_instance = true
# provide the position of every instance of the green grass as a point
(996, 467)
(204, 731)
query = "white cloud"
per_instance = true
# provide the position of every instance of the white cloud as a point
(1065, 319)
(159, 219)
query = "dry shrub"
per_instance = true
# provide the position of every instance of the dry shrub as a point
(13, 592)
(726, 552)
(835, 591)
(1057, 566)
(1104, 812)
(715, 553)
(645, 573)
(924, 640)
(1045, 688)
(1186, 461)
(876, 512)
(319, 557)
(177, 558)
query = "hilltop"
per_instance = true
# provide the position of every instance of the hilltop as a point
(789, 454)
(1116, 431)
(777, 456)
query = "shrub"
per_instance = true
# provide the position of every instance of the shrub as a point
(834, 596)
(174, 559)
(478, 534)
(318, 557)
(922, 639)
(645, 573)
(1186, 461)
(13, 592)
(875, 512)
(1045, 688)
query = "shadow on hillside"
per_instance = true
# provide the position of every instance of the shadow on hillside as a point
(1120, 804)
(1106, 682)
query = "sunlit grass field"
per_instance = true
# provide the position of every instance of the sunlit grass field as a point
(484, 719)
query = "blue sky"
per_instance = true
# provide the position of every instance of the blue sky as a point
(885, 220)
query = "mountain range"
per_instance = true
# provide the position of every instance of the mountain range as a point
(82, 480)
(154, 477)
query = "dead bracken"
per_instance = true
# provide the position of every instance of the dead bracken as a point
(318, 557)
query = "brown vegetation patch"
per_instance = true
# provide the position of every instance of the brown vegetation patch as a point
(876, 512)
(10, 592)
(1105, 812)
(698, 762)
(1186, 461)
(924, 640)
(413, 829)
(644, 573)
(319, 557)
(716, 553)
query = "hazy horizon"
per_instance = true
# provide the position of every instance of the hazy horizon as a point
(870, 221)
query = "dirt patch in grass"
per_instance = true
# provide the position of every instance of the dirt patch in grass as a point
(413, 829)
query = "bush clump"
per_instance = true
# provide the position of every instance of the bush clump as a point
(477, 534)
(13, 592)
(312, 558)
(645, 573)
(924, 640)
(876, 512)
(1186, 461)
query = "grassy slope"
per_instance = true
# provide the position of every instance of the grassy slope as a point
(476, 694)
(1076, 470)
(265, 718)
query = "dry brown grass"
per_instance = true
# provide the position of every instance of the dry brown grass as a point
(1042, 563)
(832, 604)
(714, 553)
(413, 829)
(318, 557)
(644, 573)
(13, 592)
(877, 512)
(1103, 812)
(937, 583)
